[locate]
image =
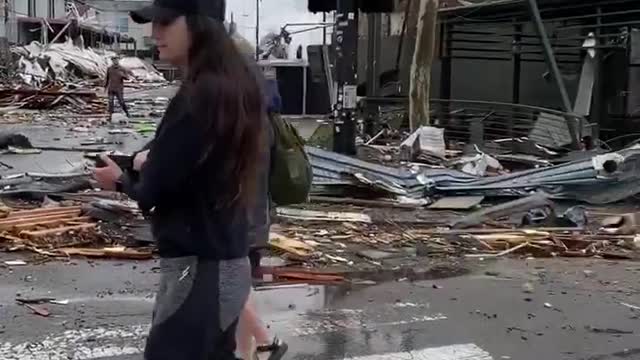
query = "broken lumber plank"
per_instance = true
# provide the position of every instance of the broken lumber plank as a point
(57, 100)
(312, 215)
(57, 231)
(513, 249)
(41, 215)
(116, 253)
(307, 276)
(8, 224)
(511, 238)
(500, 254)
(492, 231)
(14, 239)
(290, 246)
(37, 250)
(53, 92)
(363, 202)
(79, 220)
(41, 211)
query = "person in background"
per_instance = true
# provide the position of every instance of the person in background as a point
(114, 84)
(299, 53)
(199, 182)
(252, 336)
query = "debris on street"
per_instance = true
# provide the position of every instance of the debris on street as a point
(108, 253)
(404, 200)
(15, 263)
(60, 232)
(50, 97)
(38, 310)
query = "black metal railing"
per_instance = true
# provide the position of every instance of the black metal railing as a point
(467, 121)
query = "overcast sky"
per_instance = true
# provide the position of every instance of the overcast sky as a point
(273, 15)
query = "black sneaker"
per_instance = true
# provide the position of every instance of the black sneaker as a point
(277, 349)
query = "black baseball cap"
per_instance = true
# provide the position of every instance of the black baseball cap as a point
(168, 10)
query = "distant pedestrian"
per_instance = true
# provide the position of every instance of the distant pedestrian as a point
(199, 182)
(114, 84)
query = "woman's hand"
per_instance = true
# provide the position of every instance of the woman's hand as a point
(106, 177)
(139, 160)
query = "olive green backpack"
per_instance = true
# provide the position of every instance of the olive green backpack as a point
(291, 172)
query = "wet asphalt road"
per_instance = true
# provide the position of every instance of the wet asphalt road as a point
(588, 314)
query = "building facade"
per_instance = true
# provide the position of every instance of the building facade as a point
(113, 16)
(39, 8)
(99, 23)
(22, 16)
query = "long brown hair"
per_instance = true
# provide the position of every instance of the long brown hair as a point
(226, 97)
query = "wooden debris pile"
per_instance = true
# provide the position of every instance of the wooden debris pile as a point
(345, 240)
(59, 232)
(52, 97)
(348, 244)
(40, 224)
(541, 242)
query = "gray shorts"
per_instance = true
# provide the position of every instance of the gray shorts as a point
(197, 308)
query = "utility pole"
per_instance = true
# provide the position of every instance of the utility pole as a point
(257, 30)
(419, 95)
(346, 50)
(5, 54)
(324, 29)
(4, 12)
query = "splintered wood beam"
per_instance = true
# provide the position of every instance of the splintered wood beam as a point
(57, 231)
(41, 211)
(115, 253)
(8, 224)
(36, 225)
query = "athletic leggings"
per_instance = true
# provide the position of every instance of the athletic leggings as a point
(197, 309)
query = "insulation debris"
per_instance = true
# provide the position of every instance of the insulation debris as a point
(66, 62)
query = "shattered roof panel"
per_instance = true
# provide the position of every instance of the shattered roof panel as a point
(583, 180)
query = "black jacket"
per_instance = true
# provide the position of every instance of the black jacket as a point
(180, 194)
(260, 216)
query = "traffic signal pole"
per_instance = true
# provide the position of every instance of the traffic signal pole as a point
(346, 59)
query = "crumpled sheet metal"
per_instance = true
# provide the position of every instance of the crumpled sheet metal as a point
(331, 168)
(602, 179)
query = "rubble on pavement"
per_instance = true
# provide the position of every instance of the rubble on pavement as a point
(50, 97)
(61, 232)
(65, 83)
(379, 242)
(401, 203)
(597, 178)
(65, 62)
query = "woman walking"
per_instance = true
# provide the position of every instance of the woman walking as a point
(199, 182)
(252, 336)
